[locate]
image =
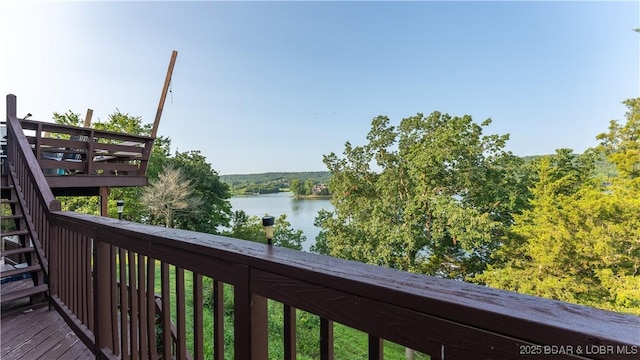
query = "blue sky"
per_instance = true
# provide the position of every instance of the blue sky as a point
(272, 86)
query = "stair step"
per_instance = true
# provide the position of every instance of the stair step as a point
(24, 293)
(17, 251)
(7, 217)
(15, 232)
(24, 270)
(8, 201)
(7, 187)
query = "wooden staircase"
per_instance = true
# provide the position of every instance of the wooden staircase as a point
(22, 276)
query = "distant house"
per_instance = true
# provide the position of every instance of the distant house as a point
(320, 189)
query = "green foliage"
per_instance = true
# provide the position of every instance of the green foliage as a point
(432, 195)
(171, 194)
(250, 228)
(273, 182)
(297, 187)
(205, 182)
(580, 240)
(622, 143)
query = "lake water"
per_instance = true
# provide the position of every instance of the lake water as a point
(300, 212)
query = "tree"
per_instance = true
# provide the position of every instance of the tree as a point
(250, 228)
(169, 194)
(308, 187)
(215, 209)
(622, 143)
(432, 195)
(297, 187)
(580, 240)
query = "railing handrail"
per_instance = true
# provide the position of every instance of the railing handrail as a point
(69, 129)
(532, 319)
(44, 193)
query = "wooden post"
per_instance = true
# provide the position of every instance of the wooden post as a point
(163, 96)
(87, 119)
(259, 327)
(289, 332)
(326, 339)
(104, 201)
(102, 286)
(250, 319)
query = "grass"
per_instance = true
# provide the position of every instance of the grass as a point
(348, 342)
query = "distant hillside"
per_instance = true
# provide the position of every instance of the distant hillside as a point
(603, 166)
(319, 176)
(273, 182)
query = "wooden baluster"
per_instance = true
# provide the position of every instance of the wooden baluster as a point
(326, 339)
(166, 311)
(124, 304)
(133, 304)
(181, 352)
(151, 308)
(375, 348)
(198, 317)
(218, 320)
(142, 308)
(289, 332)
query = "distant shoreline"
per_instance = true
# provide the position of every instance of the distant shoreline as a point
(312, 197)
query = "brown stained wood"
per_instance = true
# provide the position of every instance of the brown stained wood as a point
(426, 334)
(289, 334)
(242, 314)
(326, 339)
(151, 308)
(87, 118)
(218, 320)
(163, 95)
(124, 304)
(22, 157)
(529, 318)
(198, 317)
(10, 296)
(81, 131)
(166, 311)
(93, 182)
(133, 304)
(113, 294)
(259, 327)
(54, 273)
(53, 343)
(376, 348)
(142, 308)
(89, 283)
(180, 315)
(13, 345)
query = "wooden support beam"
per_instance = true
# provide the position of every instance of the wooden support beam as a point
(104, 201)
(163, 96)
(87, 119)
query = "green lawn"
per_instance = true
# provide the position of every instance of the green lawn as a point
(348, 343)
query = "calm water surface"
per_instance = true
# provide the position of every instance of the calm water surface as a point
(300, 212)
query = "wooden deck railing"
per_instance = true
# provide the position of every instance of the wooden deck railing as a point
(80, 152)
(106, 274)
(31, 183)
(443, 318)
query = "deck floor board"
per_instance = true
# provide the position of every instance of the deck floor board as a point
(40, 334)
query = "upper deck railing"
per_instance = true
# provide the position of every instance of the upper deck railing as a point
(105, 277)
(73, 156)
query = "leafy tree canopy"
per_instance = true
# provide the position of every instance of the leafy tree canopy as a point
(432, 195)
(580, 240)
